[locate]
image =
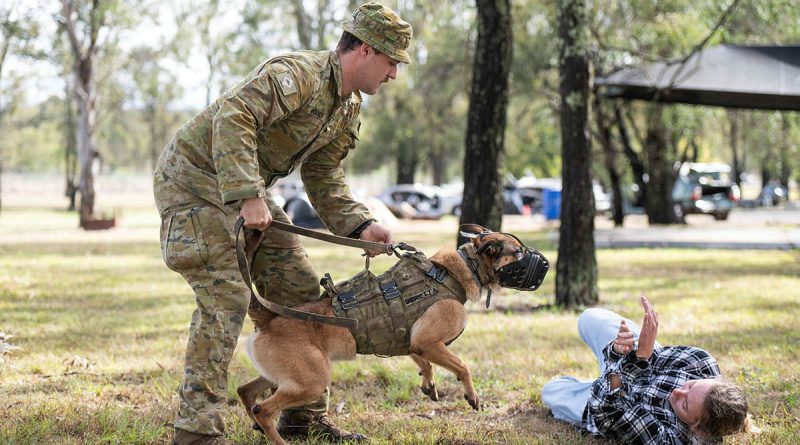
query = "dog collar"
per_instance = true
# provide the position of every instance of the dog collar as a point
(480, 271)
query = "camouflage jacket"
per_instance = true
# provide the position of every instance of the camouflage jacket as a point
(287, 112)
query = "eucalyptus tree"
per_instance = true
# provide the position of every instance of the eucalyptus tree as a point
(774, 154)
(486, 119)
(83, 23)
(576, 270)
(416, 125)
(17, 30)
(532, 137)
(156, 88)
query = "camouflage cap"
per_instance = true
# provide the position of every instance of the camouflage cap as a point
(381, 28)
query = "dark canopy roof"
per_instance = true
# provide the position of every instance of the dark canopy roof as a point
(763, 77)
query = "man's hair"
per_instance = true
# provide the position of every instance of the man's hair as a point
(725, 410)
(348, 42)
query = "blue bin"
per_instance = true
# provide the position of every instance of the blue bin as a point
(551, 204)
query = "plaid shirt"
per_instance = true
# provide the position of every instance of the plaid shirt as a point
(639, 412)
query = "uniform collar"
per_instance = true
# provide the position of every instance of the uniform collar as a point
(336, 67)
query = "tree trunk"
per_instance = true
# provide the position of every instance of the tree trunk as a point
(733, 119)
(70, 147)
(785, 171)
(406, 163)
(660, 170)
(84, 55)
(486, 119)
(438, 167)
(609, 160)
(84, 97)
(576, 271)
(637, 166)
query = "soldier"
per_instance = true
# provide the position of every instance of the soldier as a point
(296, 110)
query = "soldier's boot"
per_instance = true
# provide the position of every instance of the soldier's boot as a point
(183, 437)
(319, 426)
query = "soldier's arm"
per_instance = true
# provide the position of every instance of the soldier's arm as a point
(323, 176)
(264, 97)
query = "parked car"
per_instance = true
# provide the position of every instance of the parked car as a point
(292, 194)
(417, 201)
(532, 189)
(705, 188)
(602, 200)
(773, 194)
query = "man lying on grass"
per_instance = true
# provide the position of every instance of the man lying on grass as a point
(647, 394)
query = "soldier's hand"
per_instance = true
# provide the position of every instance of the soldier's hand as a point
(378, 233)
(256, 214)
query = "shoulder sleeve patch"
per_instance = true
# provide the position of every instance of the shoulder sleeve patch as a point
(286, 82)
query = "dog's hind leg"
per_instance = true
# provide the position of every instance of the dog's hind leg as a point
(289, 395)
(249, 392)
(428, 386)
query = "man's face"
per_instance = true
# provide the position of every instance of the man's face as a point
(376, 68)
(687, 401)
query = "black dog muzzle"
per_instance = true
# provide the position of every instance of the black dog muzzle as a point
(527, 273)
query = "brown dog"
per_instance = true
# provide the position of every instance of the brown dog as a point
(294, 357)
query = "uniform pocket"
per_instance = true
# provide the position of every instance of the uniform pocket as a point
(184, 246)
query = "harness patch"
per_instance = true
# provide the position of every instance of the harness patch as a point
(426, 293)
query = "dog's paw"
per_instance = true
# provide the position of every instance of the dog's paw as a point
(431, 392)
(473, 402)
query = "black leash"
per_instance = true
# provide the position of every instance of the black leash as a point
(244, 269)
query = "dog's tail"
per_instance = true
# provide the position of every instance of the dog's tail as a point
(258, 313)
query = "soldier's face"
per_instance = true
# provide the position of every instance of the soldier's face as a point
(377, 68)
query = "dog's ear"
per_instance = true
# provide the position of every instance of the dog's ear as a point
(472, 231)
(493, 248)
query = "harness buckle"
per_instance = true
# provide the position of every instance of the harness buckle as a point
(437, 274)
(348, 300)
(390, 290)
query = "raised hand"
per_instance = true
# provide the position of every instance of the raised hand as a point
(647, 336)
(623, 344)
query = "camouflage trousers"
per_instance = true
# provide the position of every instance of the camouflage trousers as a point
(197, 241)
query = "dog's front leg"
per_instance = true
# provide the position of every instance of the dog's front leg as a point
(428, 386)
(442, 323)
(440, 355)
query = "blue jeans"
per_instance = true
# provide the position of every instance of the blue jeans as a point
(567, 396)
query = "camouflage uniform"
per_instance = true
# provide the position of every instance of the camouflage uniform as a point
(287, 113)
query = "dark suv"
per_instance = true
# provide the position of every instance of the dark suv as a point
(704, 188)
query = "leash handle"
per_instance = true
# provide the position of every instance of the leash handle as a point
(244, 269)
(336, 239)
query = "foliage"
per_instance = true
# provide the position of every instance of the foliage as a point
(102, 326)
(421, 115)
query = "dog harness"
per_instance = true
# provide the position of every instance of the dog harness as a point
(386, 306)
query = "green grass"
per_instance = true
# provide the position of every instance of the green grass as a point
(102, 326)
